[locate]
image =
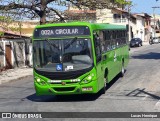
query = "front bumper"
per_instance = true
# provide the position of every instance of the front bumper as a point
(68, 89)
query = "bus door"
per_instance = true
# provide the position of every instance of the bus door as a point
(98, 55)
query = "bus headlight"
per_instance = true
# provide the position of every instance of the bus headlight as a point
(40, 81)
(88, 79)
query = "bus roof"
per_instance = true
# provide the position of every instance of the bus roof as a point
(91, 25)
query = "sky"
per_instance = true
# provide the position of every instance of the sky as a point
(145, 6)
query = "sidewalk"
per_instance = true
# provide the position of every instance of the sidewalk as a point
(14, 74)
(145, 43)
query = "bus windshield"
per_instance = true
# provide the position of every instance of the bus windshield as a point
(62, 54)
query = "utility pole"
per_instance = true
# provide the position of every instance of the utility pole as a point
(154, 20)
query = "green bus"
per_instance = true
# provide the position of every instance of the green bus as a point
(78, 57)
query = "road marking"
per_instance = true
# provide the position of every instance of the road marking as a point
(146, 96)
(157, 105)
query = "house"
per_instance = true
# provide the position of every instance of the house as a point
(15, 43)
(116, 16)
(139, 24)
(143, 26)
(85, 14)
(15, 50)
(155, 25)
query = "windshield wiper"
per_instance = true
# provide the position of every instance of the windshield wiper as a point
(72, 41)
(52, 44)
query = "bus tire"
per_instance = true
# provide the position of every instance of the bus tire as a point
(122, 70)
(103, 90)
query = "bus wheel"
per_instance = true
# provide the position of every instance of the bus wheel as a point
(122, 70)
(103, 90)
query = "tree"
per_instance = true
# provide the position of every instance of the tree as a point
(45, 8)
(8, 24)
(100, 4)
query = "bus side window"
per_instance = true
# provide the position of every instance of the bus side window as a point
(113, 42)
(123, 38)
(102, 42)
(107, 40)
(116, 40)
(125, 35)
(97, 45)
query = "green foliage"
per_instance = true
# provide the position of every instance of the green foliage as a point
(5, 19)
(16, 29)
(1, 34)
(124, 2)
(5, 23)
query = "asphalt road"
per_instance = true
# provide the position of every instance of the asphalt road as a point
(138, 90)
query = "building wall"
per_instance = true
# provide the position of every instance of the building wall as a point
(18, 54)
(107, 16)
(156, 24)
(30, 55)
(21, 53)
(104, 16)
(140, 28)
(27, 31)
(27, 27)
(1, 55)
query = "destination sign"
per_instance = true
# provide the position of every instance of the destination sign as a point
(61, 31)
